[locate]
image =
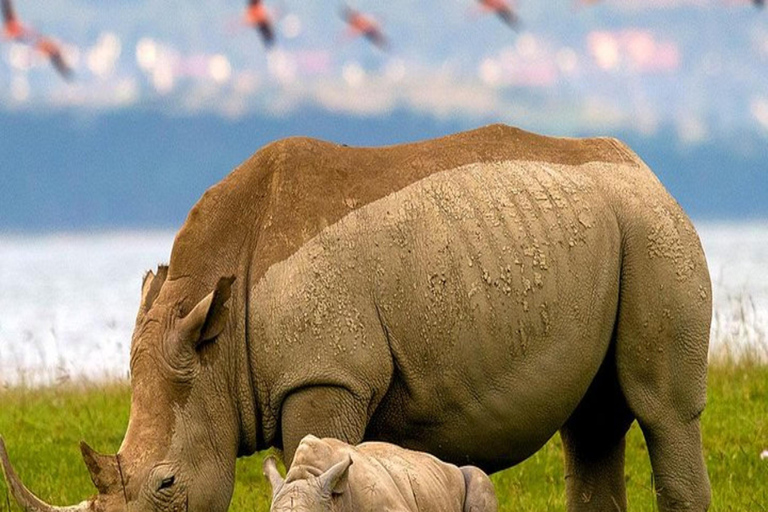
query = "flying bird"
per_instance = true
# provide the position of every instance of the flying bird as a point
(12, 27)
(257, 16)
(502, 9)
(362, 25)
(53, 52)
(14, 30)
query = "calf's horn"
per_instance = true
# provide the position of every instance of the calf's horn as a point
(28, 501)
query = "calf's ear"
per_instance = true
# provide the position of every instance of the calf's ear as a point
(208, 318)
(334, 480)
(269, 468)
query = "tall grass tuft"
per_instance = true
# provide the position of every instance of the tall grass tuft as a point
(738, 335)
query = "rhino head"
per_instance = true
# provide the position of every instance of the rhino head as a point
(184, 434)
(304, 491)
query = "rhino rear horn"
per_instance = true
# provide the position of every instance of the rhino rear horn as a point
(104, 470)
(28, 501)
(150, 287)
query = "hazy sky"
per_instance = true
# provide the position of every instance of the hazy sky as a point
(700, 66)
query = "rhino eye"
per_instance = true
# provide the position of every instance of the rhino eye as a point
(166, 483)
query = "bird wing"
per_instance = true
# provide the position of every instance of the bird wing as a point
(61, 66)
(508, 16)
(53, 52)
(252, 3)
(346, 13)
(267, 34)
(8, 14)
(375, 36)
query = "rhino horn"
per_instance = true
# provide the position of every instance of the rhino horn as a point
(332, 481)
(28, 501)
(104, 470)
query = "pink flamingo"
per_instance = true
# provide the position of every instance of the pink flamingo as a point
(503, 9)
(12, 27)
(362, 25)
(257, 16)
(53, 52)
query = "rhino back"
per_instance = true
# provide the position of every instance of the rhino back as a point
(290, 190)
(313, 184)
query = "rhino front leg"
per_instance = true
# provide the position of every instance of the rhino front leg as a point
(323, 411)
(480, 494)
(593, 441)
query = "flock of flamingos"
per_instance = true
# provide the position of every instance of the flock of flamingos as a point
(257, 16)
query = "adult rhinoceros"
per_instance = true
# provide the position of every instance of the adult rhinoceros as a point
(467, 296)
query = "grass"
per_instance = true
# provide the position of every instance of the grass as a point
(42, 428)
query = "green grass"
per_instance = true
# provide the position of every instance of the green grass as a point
(42, 428)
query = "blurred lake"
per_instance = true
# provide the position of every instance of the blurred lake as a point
(68, 301)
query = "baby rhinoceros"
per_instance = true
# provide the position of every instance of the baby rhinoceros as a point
(330, 475)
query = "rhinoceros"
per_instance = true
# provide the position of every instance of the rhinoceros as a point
(467, 296)
(328, 475)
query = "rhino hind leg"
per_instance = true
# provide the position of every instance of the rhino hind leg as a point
(662, 338)
(593, 442)
(480, 496)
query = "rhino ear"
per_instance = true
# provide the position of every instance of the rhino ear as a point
(150, 287)
(269, 468)
(208, 318)
(104, 470)
(334, 479)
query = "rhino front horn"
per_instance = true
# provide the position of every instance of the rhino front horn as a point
(26, 500)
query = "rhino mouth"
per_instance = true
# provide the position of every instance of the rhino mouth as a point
(31, 503)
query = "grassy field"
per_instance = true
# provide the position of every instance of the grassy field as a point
(42, 428)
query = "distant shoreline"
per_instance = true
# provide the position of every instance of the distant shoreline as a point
(69, 299)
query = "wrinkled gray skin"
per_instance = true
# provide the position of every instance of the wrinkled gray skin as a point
(467, 297)
(328, 475)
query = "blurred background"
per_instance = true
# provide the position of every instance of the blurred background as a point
(165, 97)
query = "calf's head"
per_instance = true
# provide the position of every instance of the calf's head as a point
(179, 451)
(303, 491)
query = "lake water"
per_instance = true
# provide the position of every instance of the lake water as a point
(68, 302)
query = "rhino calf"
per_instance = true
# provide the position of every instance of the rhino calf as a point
(330, 475)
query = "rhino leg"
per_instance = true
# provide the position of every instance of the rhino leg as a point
(323, 411)
(593, 441)
(480, 495)
(662, 337)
